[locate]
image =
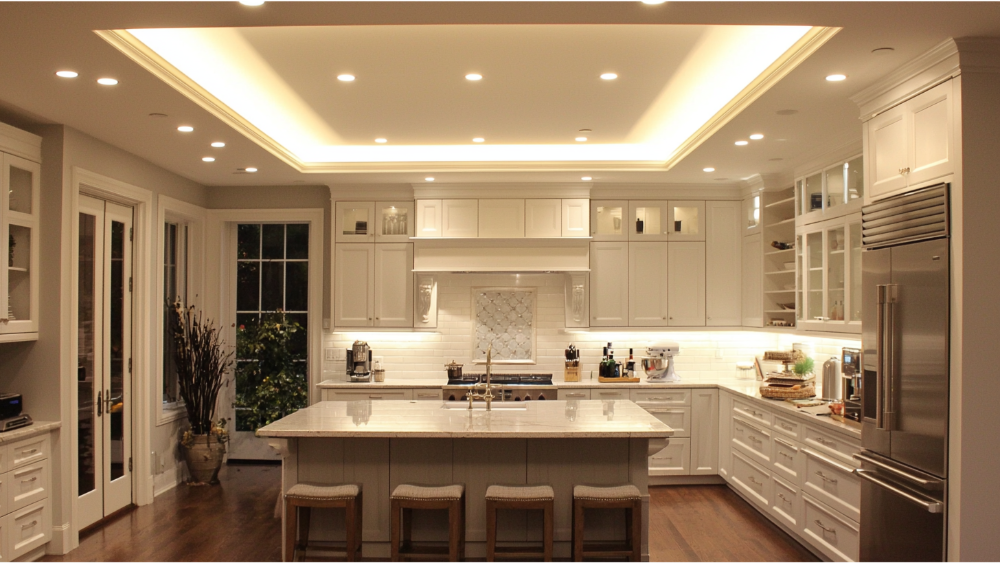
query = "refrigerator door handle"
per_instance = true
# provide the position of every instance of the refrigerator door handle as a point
(889, 397)
(880, 356)
(932, 506)
(922, 483)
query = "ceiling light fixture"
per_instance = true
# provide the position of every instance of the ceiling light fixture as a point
(107, 81)
(586, 178)
(185, 128)
(251, 2)
(478, 140)
(654, 2)
(208, 159)
(381, 140)
(708, 169)
(836, 77)
(473, 77)
(345, 77)
(429, 179)
(251, 170)
(756, 137)
(157, 115)
(66, 74)
(609, 76)
(218, 144)
(741, 143)
(581, 139)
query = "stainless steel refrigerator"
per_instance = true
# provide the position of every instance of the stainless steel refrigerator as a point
(905, 327)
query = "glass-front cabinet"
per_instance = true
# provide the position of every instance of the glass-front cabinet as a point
(19, 224)
(829, 275)
(382, 221)
(834, 191)
(607, 220)
(666, 220)
(394, 221)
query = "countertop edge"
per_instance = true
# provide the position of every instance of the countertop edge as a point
(36, 428)
(290, 434)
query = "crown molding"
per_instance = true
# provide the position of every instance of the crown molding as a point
(503, 190)
(366, 192)
(666, 191)
(979, 54)
(922, 73)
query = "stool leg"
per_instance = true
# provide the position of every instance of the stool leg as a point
(359, 518)
(547, 530)
(491, 530)
(461, 538)
(350, 528)
(577, 530)
(304, 514)
(454, 524)
(290, 528)
(636, 525)
(396, 524)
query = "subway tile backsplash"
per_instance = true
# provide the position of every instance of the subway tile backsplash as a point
(421, 355)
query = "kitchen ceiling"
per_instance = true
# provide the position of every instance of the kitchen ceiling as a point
(40, 38)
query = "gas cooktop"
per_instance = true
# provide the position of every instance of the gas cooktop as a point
(504, 379)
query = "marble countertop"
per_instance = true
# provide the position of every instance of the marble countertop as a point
(433, 419)
(751, 390)
(37, 427)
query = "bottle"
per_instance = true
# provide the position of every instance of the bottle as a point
(638, 225)
(630, 365)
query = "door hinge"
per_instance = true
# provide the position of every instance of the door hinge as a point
(129, 465)
(130, 365)
(130, 284)
(130, 234)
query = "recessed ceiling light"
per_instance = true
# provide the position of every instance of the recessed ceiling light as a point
(609, 76)
(473, 77)
(586, 130)
(185, 128)
(581, 139)
(835, 77)
(654, 2)
(787, 111)
(218, 144)
(251, 2)
(251, 170)
(208, 159)
(478, 140)
(429, 179)
(708, 169)
(66, 74)
(381, 140)
(156, 114)
(756, 137)
(883, 51)
(107, 81)
(345, 77)
(586, 178)
(741, 143)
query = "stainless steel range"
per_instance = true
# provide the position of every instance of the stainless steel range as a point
(511, 386)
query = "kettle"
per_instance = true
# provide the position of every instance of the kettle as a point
(832, 389)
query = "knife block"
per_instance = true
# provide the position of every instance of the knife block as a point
(572, 372)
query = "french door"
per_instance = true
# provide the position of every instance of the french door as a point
(104, 360)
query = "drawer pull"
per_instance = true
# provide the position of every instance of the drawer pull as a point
(738, 429)
(782, 497)
(374, 396)
(658, 399)
(787, 444)
(25, 471)
(35, 478)
(754, 481)
(755, 429)
(785, 426)
(824, 528)
(827, 443)
(785, 455)
(29, 452)
(663, 411)
(610, 393)
(756, 440)
(825, 478)
(576, 395)
(29, 524)
(829, 461)
(427, 395)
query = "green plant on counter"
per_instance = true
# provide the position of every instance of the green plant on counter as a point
(803, 366)
(270, 374)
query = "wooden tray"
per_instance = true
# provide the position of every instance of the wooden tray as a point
(786, 393)
(618, 379)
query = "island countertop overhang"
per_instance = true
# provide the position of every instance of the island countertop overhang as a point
(435, 419)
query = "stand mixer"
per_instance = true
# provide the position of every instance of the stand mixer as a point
(659, 363)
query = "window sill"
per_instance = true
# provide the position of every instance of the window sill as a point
(169, 414)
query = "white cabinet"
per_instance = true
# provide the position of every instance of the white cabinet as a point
(609, 281)
(834, 191)
(19, 216)
(666, 220)
(673, 460)
(576, 217)
(393, 221)
(723, 261)
(752, 299)
(911, 143)
(370, 394)
(725, 434)
(500, 218)
(25, 503)
(460, 218)
(429, 218)
(607, 220)
(648, 295)
(685, 284)
(704, 432)
(829, 262)
(355, 221)
(543, 218)
(394, 285)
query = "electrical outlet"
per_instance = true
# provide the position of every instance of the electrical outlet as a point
(329, 354)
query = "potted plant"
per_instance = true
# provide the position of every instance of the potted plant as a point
(202, 362)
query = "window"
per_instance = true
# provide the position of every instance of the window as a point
(175, 266)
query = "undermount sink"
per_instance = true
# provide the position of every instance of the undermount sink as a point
(481, 406)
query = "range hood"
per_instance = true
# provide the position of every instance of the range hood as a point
(507, 256)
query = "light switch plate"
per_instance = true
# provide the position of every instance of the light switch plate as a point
(329, 354)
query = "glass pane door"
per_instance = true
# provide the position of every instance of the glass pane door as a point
(686, 221)
(608, 219)
(855, 249)
(801, 268)
(393, 221)
(835, 275)
(88, 326)
(812, 193)
(814, 275)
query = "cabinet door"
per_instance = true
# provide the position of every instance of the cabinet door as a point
(355, 221)
(686, 285)
(705, 432)
(930, 142)
(19, 271)
(607, 220)
(725, 431)
(753, 299)
(751, 215)
(429, 218)
(686, 221)
(394, 284)
(648, 297)
(460, 218)
(393, 221)
(649, 221)
(354, 281)
(501, 218)
(887, 153)
(609, 283)
(575, 217)
(542, 218)
(722, 263)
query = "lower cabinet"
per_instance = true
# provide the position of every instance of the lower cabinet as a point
(26, 521)
(675, 459)
(368, 394)
(694, 416)
(829, 531)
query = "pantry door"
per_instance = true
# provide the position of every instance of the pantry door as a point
(104, 360)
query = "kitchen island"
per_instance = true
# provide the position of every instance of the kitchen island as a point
(383, 444)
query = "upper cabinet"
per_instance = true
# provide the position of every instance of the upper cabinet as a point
(460, 218)
(355, 221)
(666, 220)
(19, 223)
(501, 218)
(507, 218)
(751, 214)
(835, 191)
(607, 220)
(393, 221)
(576, 217)
(543, 218)
(912, 143)
(828, 258)
(722, 263)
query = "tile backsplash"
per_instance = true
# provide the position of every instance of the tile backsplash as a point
(412, 354)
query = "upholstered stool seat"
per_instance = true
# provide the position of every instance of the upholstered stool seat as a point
(300, 499)
(620, 496)
(502, 497)
(407, 498)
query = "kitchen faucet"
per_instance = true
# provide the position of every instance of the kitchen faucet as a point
(487, 393)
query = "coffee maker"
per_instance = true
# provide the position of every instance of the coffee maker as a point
(359, 362)
(850, 366)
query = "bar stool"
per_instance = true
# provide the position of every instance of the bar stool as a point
(622, 496)
(407, 498)
(500, 497)
(307, 497)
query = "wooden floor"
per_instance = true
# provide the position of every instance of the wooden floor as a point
(235, 522)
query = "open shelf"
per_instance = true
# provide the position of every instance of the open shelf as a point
(781, 311)
(792, 271)
(790, 221)
(781, 202)
(781, 291)
(772, 252)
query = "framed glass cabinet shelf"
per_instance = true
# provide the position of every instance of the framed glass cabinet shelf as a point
(19, 200)
(833, 192)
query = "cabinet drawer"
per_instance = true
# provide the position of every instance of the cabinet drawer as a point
(831, 533)
(28, 451)
(675, 459)
(787, 427)
(373, 395)
(4, 545)
(427, 394)
(751, 480)
(840, 449)
(574, 394)
(28, 528)
(787, 459)
(752, 440)
(755, 414)
(786, 505)
(609, 395)
(27, 485)
(833, 483)
(670, 396)
(678, 418)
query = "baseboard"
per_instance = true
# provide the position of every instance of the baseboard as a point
(666, 480)
(61, 543)
(166, 481)
(33, 555)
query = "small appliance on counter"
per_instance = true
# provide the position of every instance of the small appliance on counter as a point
(832, 387)
(850, 367)
(659, 362)
(10, 412)
(359, 362)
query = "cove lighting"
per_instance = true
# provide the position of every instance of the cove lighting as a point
(586, 178)
(609, 76)
(581, 139)
(708, 169)
(473, 77)
(429, 179)
(185, 128)
(345, 77)
(381, 140)
(218, 144)
(252, 2)
(66, 74)
(740, 143)
(836, 78)
(107, 81)
(478, 140)
(208, 159)
(756, 137)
